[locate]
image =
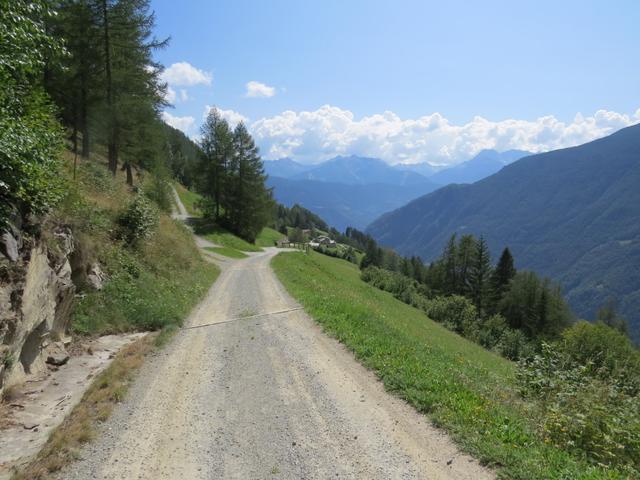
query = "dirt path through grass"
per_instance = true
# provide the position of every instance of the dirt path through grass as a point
(263, 397)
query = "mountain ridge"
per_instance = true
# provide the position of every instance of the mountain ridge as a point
(562, 213)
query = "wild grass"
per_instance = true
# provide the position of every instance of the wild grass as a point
(268, 237)
(224, 238)
(227, 252)
(189, 199)
(96, 406)
(468, 391)
(149, 286)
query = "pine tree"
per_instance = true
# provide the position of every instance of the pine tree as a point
(133, 91)
(501, 278)
(465, 254)
(217, 146)
(479, 276)
(251, 201)
(449, 263)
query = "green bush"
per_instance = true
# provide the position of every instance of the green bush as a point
(138, 221)
(608, 352)
(457, 313)
(30, 136)
(597, 416)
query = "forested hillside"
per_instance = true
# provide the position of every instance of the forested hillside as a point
(571, 214)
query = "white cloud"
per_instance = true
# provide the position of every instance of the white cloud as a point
(230, 116)
(183, 74)
(184, 96)
(329, 131)
(181, 123)
(257, 89)
(170, 95)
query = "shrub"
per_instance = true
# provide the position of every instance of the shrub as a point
(583, 411)
(138, 221)
(608, 353)
(457, 313)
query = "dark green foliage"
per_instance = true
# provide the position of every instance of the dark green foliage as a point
(233, 179)
(183, 156)
(30, 137)
(535, 306)
(479, 276)
(501, 278)
(572, 215)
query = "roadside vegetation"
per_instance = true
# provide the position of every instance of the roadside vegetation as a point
(129, 236)
(227, 252)
(475, 394)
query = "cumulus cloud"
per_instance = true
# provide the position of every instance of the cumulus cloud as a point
(181, 123)
(257, 89)
(230, 116)
(329, 131)
(183, 74)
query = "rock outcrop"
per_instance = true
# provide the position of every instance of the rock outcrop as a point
(36, 297)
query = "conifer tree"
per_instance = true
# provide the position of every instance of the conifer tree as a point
(449, 264)
(479, 276)
(250, 200)
(501, 277)
(217, 147)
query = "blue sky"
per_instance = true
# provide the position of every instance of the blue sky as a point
(405, 80)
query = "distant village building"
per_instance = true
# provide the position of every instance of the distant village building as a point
(322, 240)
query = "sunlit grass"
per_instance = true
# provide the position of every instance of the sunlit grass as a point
(465, 389)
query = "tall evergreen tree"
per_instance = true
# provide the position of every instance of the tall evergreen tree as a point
(131, 78)
(480, 275)
(449, 264)
(217, 147)
(501, 277)
(465, 258)
(251, 201)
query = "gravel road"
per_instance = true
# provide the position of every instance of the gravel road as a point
(243, 395)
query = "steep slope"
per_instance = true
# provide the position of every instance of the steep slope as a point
(571, 214)
(342, 205)
(284, 167)
(486, 163)
(355, 170)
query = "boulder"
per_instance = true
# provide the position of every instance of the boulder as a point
(96, 277)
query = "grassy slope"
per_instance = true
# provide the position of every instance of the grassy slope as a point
(148, 288)
(268, 237)
(465, 389)
(188, 199)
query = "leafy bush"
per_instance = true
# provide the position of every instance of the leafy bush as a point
(456, 312)
(586, 409)
(608, 353)
(138, 221)
(30, 136)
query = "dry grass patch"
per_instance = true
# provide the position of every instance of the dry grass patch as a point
(108, 389)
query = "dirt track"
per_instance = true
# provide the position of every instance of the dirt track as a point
(263, 397)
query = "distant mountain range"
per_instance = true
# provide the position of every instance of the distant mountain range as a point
(342, 205)
(486, 163)
(382, 187)
(571, 214)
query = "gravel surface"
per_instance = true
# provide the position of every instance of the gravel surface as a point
(265, 396)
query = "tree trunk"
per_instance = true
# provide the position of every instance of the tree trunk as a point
(127, 167)
(111, 144)
(84, 121)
